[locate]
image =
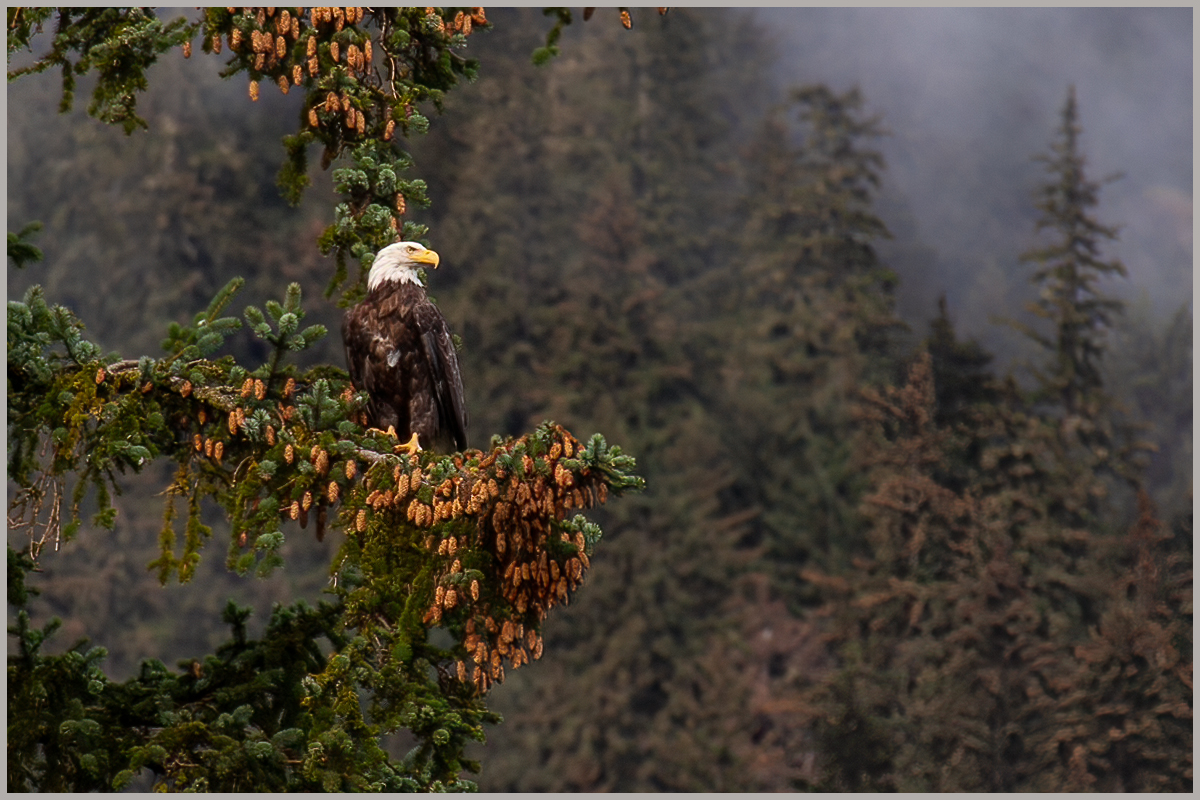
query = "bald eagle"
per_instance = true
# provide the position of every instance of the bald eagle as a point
(399, 351)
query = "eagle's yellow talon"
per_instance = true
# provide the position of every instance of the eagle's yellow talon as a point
(410, 447)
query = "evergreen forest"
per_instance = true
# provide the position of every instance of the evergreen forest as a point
(727, 520)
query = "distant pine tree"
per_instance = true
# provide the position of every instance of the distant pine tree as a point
(1068, 272)
(811, 319)
(1124, 711)
(961, 375)
(917, 698)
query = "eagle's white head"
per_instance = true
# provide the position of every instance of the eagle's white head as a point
(399, 262)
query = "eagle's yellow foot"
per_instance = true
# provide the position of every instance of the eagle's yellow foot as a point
(410, 447)
(391, 431)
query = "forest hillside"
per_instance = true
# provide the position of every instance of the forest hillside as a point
(877, 548)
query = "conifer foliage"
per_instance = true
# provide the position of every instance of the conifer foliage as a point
(812, 306)
(1068, 270)
(482, 544)
(987, 645)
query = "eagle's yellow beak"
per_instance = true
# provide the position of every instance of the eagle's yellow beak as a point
(427, 257)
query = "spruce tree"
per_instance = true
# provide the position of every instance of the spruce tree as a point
(811, 308)
(480, 544)
(961, 375)
(1124, 712)
(1068, 271)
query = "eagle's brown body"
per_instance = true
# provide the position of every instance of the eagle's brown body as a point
(399, 350)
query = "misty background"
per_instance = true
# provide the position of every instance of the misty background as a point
(969, 96)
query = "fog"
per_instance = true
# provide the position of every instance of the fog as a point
(969, 96)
